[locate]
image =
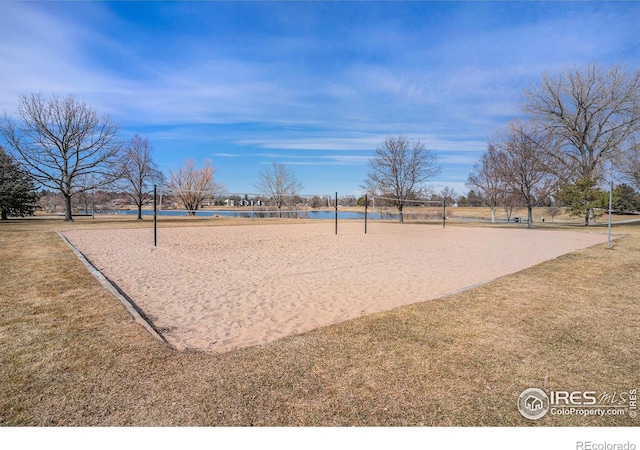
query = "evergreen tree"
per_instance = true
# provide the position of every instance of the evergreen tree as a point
(474, 199)
(583, 195)
(625, 199)
(17, 191)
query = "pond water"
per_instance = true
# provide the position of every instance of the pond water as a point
(342, 215)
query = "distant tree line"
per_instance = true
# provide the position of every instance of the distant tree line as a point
(579, 129)
(63, 148)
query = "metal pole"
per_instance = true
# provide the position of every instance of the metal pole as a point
(155, 215)
(444, 213)
(366, 206)
(610, 207)
(336, 213)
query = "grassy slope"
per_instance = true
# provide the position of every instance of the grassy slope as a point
(71, 355)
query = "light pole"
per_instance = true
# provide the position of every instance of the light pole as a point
(610, 207)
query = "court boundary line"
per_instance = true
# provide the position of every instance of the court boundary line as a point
(136, 312)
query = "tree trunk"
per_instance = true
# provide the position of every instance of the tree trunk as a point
(529, 216)
(587, 217)
(400, 214)
(139, 211)
(3, 215)
(493, 214)
(67, 208)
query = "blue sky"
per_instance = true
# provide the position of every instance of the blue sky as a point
(314, 85)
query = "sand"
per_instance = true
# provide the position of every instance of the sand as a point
(224, 287)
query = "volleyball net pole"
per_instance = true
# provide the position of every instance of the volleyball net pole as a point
(444, 213)
(155, 215)
(336, 213)
(366, 207)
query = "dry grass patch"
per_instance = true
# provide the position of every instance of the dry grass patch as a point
(71, 355)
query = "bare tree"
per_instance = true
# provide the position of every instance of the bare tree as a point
(279, 183)
(349, 200)
(485, 180)
(59, 140)
(316, 202)
(449, 195)
(523, 166)
(553, 211)
(629, 164)
(139, 172)
(85, 197)
(591, 114)
(399, 169)
(192, 185)
(511, 202)
(633, 169)
(50, 201)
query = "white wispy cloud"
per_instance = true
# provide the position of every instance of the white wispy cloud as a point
(320, 143)
(44, 51)
(229, 155)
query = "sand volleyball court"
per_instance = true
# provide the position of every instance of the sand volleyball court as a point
(223, 287)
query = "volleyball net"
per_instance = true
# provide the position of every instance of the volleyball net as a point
(408, 210)
(171, 202)
(246, 205)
